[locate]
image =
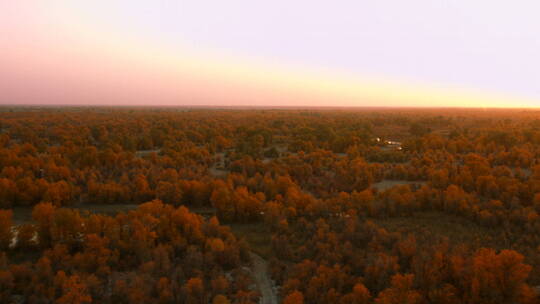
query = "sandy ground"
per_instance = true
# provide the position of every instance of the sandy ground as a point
(259, 269)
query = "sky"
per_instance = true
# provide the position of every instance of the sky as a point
(453, 53)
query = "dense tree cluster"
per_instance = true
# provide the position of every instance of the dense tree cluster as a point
(156, 253)
(320, 181)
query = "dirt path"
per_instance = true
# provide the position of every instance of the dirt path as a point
(262, 278)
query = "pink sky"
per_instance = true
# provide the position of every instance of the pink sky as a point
(419, 53)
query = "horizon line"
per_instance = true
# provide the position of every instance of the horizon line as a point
(275, 107)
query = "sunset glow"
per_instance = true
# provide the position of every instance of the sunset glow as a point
(61, 53)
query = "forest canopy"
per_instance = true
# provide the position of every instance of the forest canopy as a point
(180, 205)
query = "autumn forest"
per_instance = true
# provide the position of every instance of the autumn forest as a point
(264, 205)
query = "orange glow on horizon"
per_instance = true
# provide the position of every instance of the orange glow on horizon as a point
(92, 65)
